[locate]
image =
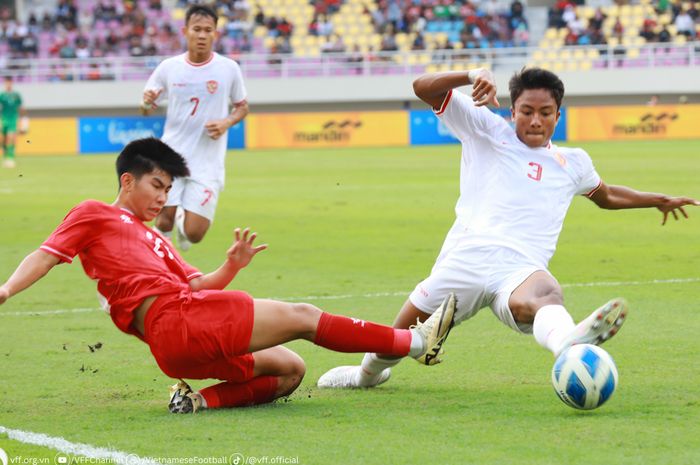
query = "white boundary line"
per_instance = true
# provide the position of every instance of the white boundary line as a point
(378, 294)
(67, 447)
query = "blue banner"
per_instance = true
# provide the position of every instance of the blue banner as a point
(426, 128)
(111, 134)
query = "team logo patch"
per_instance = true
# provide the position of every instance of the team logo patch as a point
(560, 159)
(212, 86)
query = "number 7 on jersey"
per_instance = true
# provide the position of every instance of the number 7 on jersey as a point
(195, 100)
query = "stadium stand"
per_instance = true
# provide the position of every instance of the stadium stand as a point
(621, 33)
(108, 39)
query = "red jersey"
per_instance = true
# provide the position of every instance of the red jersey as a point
(129, 260)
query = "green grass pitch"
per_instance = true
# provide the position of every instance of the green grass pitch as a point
(353, 231)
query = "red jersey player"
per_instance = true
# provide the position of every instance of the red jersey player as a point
(194, 328)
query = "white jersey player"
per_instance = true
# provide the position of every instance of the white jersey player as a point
(199, 86)
(515, 190)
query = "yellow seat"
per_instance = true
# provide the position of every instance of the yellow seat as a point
(260, 31)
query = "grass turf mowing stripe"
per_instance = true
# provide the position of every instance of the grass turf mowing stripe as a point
(380, 294)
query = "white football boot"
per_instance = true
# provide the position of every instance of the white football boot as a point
(435, 330)
(348, 377)
(599, 326)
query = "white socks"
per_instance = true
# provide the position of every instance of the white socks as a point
(551, 326)
(180, 222)
(372, 367)
(417, 345)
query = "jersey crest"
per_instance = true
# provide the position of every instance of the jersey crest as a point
(212, 86)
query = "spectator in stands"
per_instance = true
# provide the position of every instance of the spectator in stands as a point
(81, 47)
(521, 36)
(325, 26)
(259, 18)
(313, 26)
(596, 22)
(67, 14)
(664, 35)
(418, 42)
(647, 30)
(67, 50)
(284, 28)
(136, 46)
(388, 43)
(685, 24)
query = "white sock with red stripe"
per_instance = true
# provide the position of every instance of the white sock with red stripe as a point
(551, 326)
(372, 367)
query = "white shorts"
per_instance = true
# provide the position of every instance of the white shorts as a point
(194, 196)
(479, 276)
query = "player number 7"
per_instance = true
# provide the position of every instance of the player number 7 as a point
(196, 104)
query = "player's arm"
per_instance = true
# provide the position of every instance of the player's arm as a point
(32, 269)
(432, 88)
(217, 128)
(622, 197)
(237, 257)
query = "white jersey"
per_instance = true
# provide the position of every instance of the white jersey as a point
(198, 93)
(512, 195)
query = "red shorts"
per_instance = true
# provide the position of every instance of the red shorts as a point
(203, 335)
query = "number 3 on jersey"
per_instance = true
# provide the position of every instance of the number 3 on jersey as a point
(194, 100)
(536, 171)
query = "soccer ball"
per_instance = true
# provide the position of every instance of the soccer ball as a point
(584, 376)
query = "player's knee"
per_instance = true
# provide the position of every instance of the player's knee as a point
(306, 318)
(306, 312)
(524, 310)
(163, 223)
(195, 236)
(295, 369)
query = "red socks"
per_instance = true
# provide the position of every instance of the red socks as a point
(344, 334)
(260, 390)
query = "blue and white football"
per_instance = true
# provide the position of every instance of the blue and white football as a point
(584, 376)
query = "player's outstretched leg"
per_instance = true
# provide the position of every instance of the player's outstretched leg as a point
(599, 326)
(435, 329)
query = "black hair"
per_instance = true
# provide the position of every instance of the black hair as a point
(201, 10)
(143, 156)
(536, 78)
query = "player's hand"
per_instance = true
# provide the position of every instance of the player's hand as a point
(24, 125)
(484, 89)
(217, 128)
(149, 98)
(242, 251)
(673, 205)
(4, 295)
